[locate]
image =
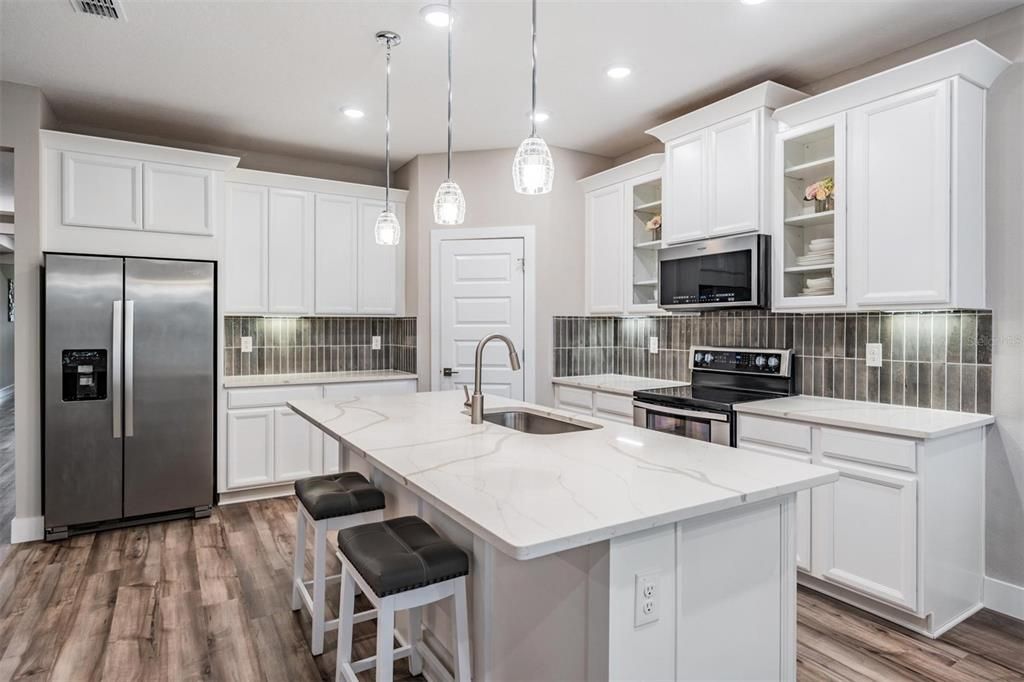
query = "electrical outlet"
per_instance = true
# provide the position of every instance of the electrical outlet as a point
(652, 344)
(246, 344)
(873, 353)
(646, 599)
(375, 343)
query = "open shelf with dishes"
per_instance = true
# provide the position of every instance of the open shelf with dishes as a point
(810, 248)
(644, 199)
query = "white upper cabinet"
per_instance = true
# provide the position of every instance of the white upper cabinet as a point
(337, 259)
(380, 270)
(245, 253)
(101, 191)
(913, 196)
(621, 241)
(604, 230)
(899, 204)
(717, 165)
(291, 251)
(178, 199)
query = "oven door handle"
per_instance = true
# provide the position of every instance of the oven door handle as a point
(675, 412)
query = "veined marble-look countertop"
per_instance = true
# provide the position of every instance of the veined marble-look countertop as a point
(623, 384)
(531, 495)
(896, 420)
(316, 378)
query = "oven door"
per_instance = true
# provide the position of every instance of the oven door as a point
(714, 273)
(708, 426)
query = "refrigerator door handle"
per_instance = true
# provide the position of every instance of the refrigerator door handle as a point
(115, 362)
(129, 369)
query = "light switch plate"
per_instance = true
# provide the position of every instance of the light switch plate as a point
(652, 344)
(375, 343)
(246, 344)
(646, 598)
(873, 353)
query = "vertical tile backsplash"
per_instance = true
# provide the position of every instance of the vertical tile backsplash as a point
(289, 345)
(941, 360)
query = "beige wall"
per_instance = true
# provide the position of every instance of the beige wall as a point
(486, 180)
(23, 111)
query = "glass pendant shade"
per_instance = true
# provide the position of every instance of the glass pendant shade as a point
(533, 171)
(449, 204)
(387, 231)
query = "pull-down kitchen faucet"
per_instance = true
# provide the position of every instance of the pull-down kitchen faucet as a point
(475, 403)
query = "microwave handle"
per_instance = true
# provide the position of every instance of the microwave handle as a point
(675, 412)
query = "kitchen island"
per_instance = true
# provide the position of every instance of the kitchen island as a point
(607, 553)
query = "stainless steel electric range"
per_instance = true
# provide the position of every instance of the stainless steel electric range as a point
(721, 378)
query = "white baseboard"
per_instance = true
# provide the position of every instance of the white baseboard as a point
(1004, 597)
(26, 529)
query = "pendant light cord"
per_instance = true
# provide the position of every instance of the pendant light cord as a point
(533, 106)
(451, 20)
(387, 128)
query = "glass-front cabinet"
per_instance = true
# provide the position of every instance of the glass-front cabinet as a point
(810, 235)
(643, 197)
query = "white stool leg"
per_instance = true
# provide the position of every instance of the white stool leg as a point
(319, 586)
(463, 672)
(346, 610)
(385, 641)
(415, 633)
(299, 560)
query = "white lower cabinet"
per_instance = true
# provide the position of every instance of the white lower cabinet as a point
(298, 446)
(250, 460)
(587, 402)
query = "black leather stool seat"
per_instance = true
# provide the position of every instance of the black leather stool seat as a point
(401, 554)
(326, 497)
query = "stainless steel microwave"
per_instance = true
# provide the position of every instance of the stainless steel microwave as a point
(726, 272)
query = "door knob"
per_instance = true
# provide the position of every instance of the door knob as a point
(448, 371)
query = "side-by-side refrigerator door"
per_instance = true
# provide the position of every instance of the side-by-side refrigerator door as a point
(82, 428)
(169, 386)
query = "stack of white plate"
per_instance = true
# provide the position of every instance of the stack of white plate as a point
(817, 286)
(819, 252)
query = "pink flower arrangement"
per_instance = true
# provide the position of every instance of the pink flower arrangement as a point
(654, 224)
(820, 191)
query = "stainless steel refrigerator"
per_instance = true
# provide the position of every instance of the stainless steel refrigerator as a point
(128, 390)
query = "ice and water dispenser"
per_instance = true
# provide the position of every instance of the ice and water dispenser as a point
(85, 375)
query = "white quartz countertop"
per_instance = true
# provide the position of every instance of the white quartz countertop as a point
(316, 378)
(897, 420)
(622, 384)
(531, 495)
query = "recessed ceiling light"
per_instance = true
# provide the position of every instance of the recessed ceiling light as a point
(751, 2)
(619, 72)
(435, 15)
(352, 112)
(540, 117)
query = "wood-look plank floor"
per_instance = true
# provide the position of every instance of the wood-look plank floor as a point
(209, 599)
(6, 467)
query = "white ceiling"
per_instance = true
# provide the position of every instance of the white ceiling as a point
(270, 76)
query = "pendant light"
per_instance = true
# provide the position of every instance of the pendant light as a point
(387, 231)
(449, 204)
(533, 171)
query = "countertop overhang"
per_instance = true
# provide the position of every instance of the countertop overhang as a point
(621, 384)
(533, 495)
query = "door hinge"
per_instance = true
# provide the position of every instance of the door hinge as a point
(522, 263)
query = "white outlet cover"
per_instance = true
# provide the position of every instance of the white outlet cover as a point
(246, 344)
(375, 343)
(873, 354)
(652, 344)
(645, 599)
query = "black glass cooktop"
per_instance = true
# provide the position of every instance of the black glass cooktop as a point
(710, 397)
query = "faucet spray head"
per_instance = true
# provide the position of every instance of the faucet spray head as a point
(513, 359)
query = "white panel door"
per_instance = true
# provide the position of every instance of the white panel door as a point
(291, 252)
(337, 254)
(684, 190)
(899, 199)
(381, 268)
(734, 174)
(869, 519)
(298, 446)
(482, 293)
(250, 447)
(605, 244)
(101, 191)
(245, 249)
(178, 199)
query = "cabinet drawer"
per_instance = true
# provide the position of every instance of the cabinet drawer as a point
(271, 395)
(578, 398)
(614, 404)
(792, 435)
(895, 453)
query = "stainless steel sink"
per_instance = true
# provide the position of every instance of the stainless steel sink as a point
(536, 423)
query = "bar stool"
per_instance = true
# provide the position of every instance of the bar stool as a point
(400, 564)
(328, 503)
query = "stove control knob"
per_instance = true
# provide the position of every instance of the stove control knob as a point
(698, 358)
(708, 358)
(760, 361)
(773, 361)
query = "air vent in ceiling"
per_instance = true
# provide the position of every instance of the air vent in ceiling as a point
(105, 9)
